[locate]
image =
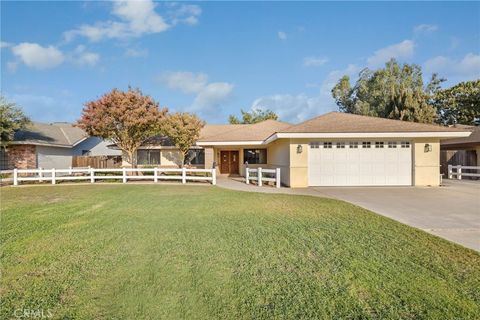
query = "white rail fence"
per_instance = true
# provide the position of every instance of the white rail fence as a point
(459, 171)
(262, 175)
(92, 174)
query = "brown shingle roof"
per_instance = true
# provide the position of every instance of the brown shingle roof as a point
(60, 134)
(339, 122)
(242, 132)
(473, 139)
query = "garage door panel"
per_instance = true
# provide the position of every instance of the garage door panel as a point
(359, 166)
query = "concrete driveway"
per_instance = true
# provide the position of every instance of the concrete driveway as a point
(451, 211)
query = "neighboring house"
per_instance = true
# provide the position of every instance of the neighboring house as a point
(461, 151)
(335, 149)
(51, 146)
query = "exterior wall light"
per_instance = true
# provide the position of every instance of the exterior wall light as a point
(299, 148)
(428, 147)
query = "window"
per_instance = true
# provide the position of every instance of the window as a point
(314, 145)
(366, 144)
(353, 145)
(327, 145)
(405, 144)
(148, 156)
(255, 156)
(392, 144)
(3, 159)
(195, 156)
(340, 145)
(378, 144)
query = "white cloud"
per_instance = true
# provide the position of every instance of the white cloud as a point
(135, 18)
(291, 108)
(4, 44)
(83, 57)
(187, 82)
(314, 61)
(282, 35)
(466, 68)
(208, 95)
(12, 66)
(300, 107)
(404, 49)
(212, 95)
(424, 29)
(36, 56)
(184, 13)
(136, 53)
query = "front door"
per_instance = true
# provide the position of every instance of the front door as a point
(229, 162)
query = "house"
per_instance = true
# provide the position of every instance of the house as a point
(335, 149)
(461, 151)
(51, 145)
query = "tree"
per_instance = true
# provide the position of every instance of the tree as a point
(394, 92)
(459, 104)
(254, 116)
(126, 118)
(183, 129)
(12, 119)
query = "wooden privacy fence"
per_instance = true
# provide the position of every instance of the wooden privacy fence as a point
(97, 161)
(459, 171)
(94, 174)
(457, 157)
(263, 175)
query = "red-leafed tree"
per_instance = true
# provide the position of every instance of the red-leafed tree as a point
(127, 118)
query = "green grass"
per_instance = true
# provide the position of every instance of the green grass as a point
(200, 252)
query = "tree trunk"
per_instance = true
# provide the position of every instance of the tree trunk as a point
(133, 160)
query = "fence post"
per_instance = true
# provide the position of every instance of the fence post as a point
(40, 174)
(155, 175)
(450, 175)
(247, 176)
(92, 175)
(214, 176)
(70, 170)
(184, 175)
(459, 172)
(124, 175)
(15, 177)
(277, 177)
(259, 176)
(53, 176)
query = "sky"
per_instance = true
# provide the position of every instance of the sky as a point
(215, 58)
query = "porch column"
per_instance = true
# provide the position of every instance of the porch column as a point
(209, 157)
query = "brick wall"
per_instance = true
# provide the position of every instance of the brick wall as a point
(22, 157)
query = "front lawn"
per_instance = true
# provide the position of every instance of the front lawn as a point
(201, 252)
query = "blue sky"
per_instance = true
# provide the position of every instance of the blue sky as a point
(214, 58)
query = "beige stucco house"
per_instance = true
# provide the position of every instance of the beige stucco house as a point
(335, 149)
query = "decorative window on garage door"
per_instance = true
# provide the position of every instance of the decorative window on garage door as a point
(378, 144)
(353, 145)
(314, 145)
(366, 144)
(327, 145)
(405, 144)
(392, 144)
(340, 145)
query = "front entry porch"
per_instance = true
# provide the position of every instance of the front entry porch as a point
(229, 162)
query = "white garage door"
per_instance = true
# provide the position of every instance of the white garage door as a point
(362, 163)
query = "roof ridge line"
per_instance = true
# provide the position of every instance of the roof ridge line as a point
(65, 135)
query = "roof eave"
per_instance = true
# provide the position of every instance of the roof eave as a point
(321, 135)
(230, 143)
(43, 144)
